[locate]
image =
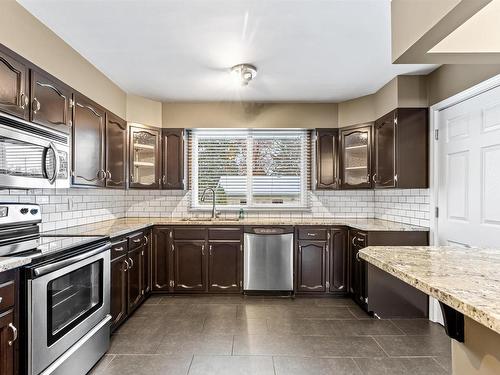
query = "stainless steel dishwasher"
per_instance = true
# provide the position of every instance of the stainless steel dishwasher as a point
(268, 259)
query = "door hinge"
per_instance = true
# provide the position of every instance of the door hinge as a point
(436, 134)
(436, 211)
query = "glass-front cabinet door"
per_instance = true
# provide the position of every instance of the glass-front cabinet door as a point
(356, 157)
(144, 157)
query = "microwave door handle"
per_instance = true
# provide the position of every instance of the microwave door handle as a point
(43, 270)
(58, 163)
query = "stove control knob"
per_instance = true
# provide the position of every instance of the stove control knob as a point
(34, 211)
(24, 211)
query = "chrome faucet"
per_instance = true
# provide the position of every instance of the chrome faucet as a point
(214, 212)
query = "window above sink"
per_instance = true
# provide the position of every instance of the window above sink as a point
(250, 168)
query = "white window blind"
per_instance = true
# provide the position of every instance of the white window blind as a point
(250, 168)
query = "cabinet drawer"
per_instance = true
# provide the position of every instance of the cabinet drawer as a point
(312, 234)
(224, 233)
(7, 295)
(135, 241)
(189, 233)
(119, 248)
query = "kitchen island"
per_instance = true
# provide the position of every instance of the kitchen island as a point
(466, 282)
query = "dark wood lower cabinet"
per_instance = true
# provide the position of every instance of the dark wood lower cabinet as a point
(9, 322)
(130, 275)
(189, 266)
(311, 266)
(224, 270)
(161, 259)
(119, 301)
(321, 260)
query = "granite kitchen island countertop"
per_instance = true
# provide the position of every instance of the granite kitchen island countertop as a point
(119, 227)
(466, 279)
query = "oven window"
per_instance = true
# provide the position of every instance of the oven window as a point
(73, 297)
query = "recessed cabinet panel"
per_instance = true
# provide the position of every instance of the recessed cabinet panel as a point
(161, 259)
(356, 157)
(135, 279)
(338, 261)
(224, 266)
(173, 159)
(189, 266)
(14, 95)
(144, 148)
(311, 266)
(327, 159)
(50, 102)
(118, 291)
(88, 143)
(116, 151)
(385, 151)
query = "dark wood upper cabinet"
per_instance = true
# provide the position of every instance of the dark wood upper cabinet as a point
(116, 151)
(356, 157)
(88, 143)
(402, 149)
(144, 163)
(311, 270)
(50, 102)
(327, 168)
(14, 95)
(224, 266)
(189, 266)
(173, 159)
(119, 304)
(338, 261)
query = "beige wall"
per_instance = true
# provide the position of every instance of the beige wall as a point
(479, 354)
(357, 111)
(24, 34)
(144, 111)
(449, 80)
(249, 115)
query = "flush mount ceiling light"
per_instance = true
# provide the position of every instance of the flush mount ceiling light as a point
(244, 73)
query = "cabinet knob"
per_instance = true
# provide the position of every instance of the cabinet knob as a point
(131, 262)
(127, 266)
(36, 105)
(374, 178)
(24, 101)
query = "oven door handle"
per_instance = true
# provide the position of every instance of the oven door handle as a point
(43, 270)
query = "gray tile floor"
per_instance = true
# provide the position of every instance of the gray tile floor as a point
(276, 336)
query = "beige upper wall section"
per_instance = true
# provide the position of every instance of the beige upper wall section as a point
(249, 115)
(449, 80)
(24, 34)
(144, 111)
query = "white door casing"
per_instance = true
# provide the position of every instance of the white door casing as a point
(469, 172)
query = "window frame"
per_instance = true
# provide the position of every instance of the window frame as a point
(303, 204)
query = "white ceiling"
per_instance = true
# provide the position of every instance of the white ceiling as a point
(305, 50)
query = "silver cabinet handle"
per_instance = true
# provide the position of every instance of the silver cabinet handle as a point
(14, 334)
(1, 299)
(108, 175)
(131, 262)
(312, 234)
(100, 173)
(24, 101)
(210, 250)
(173, 248)
(341, 287)
(127, 266)
(146, 240)
(163, 179)
(300, 249)
(118, 248)
(36, 105)
(203, 250)
(374, 177)
(137, 240)
(352, 241)
(357, 257)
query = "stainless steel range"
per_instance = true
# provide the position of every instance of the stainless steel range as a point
(65, 294)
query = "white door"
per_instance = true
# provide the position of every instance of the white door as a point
(469, 172)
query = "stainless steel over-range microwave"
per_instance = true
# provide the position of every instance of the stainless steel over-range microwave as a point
(32, 156)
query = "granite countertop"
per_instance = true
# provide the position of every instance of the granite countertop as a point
(119, 227)
(8, 263)
(467, 280)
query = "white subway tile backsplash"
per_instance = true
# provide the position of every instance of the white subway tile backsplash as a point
(68, 207)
